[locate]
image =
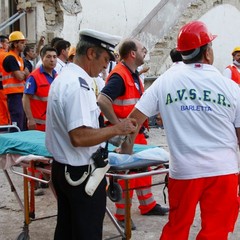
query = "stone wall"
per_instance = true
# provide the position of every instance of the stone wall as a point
(159, 56)
(158, 29)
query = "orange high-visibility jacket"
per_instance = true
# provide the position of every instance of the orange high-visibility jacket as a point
(235, 73)
(4, 113)
(123, 105)
(2, 56)
(10, 83)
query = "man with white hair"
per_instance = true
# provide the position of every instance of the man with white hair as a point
(73, 137)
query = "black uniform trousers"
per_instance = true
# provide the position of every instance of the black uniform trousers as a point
(80, 216)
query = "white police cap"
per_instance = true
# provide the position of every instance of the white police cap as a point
(104, 40)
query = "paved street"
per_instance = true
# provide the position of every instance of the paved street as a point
(148, 227)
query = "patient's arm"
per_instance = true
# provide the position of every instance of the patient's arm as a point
(127, 145)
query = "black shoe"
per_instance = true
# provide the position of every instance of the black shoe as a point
(43, 185)
(157, 210)
(122, 224)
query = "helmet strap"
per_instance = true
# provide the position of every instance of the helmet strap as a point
(191, 55)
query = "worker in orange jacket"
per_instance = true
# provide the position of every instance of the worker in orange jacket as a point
(14, 75)
(4, 113)
(233, 71)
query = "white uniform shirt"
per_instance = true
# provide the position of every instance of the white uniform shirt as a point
(200, 110)
(59, 66)
(71, 104)
(39, 63)
(98, 85)
(227, 73)
(142, 76)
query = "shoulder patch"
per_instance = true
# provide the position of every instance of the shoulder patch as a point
(83, 83)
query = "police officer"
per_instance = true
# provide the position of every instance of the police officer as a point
(73, 138)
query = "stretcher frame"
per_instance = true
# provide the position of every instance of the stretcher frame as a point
(115, 173)
(29, 199)
(28, 204)
(127, 233)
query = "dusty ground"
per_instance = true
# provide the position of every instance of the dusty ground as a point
(148, 227)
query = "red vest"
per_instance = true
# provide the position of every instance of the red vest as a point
(123, 105)
(4, 113)
(38, 102)
(235, 73)
(10, 83)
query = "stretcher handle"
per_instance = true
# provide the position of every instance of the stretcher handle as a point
(137, 175)
(28, 176)
(11, 126)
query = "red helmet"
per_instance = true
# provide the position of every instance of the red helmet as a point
(193, 35)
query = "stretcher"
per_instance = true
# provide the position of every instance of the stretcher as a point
(131, 170)
(28, 149)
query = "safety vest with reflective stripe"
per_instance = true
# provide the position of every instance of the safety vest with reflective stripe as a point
(235, 73)
(2, 56)
(38, 102)
(10, 83)
(123, 105)
(4, 113)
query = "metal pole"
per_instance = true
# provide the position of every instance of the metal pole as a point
(9, 19)
(12, 21)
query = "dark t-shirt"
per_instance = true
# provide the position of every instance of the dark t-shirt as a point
(28, 65)
(116, 87)
(10, 64)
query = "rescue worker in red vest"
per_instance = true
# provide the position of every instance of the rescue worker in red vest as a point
(13, 79)
(37, 88)
(4, 113)
(233, 71)
(117, 99)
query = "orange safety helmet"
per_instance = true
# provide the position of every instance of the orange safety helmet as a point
(193, 35)
(16, 36)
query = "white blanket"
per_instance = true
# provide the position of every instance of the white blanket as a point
(116, 159)
(8, 160)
